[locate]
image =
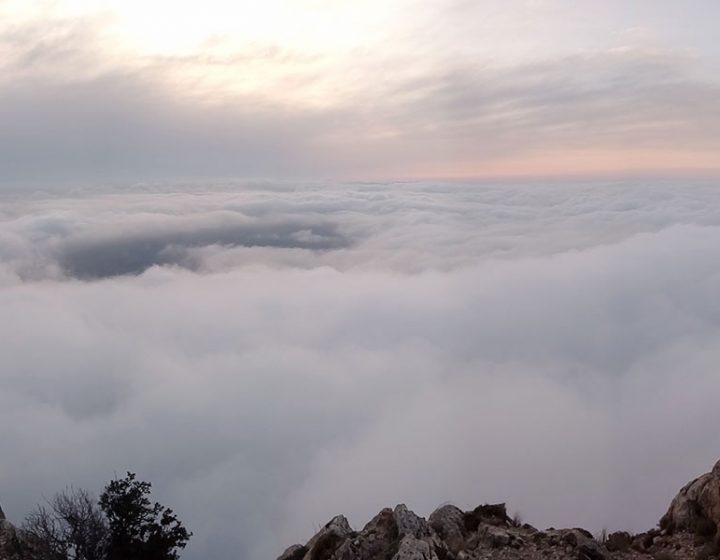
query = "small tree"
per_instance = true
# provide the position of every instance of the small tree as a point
(69, 527)
(139, 529)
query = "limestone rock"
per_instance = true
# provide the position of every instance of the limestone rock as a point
(619, 541)
(485, 533)
(447, 523)
(496, 536)
(592, 550)
(642, 542)
(696, 508)
(379, 537)
(410, 524)
(294, 552)
(578, 541)
(9, 544)
(412, 548)
(324, 544)
(492, 514)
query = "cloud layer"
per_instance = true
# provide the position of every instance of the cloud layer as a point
(272, 355)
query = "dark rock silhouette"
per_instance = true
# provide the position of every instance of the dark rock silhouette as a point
(9, 542)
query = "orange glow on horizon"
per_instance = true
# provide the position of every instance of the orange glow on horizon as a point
(595, 163)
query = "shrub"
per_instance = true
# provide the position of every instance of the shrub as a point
(140, 529)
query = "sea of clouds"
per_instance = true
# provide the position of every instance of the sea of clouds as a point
(271, 354)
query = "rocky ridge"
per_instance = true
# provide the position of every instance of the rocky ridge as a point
(689, 530)
(9, 544)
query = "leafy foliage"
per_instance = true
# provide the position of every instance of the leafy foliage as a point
(140, 529)
(123, 525)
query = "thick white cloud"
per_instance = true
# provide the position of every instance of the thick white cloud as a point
(292, 352)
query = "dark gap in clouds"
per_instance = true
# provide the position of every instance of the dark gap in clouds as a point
(132, 254)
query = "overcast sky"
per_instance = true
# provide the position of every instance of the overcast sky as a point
(357, 89)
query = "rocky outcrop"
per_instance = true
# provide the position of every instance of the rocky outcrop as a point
(696, 508)
(688, 531)
(378, 537)
(9, 543)
(294, 552)
(449, 534)
(447, 523)
(326, 542)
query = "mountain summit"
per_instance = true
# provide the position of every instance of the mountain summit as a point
(689, 530)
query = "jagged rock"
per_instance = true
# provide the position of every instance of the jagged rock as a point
(618, 541)
(412, 548)
(585, 533)
(592, 550)
(410, 524)
(493, 514)
(644, 541)
(555, 537)
(294, 552)
(9, 544)
(496, 536)
(696, 508)
(708, 550)
(447, 522)
(578, 540)
(587, 547)
(378, 539)
(324, 544)
(487, 533)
